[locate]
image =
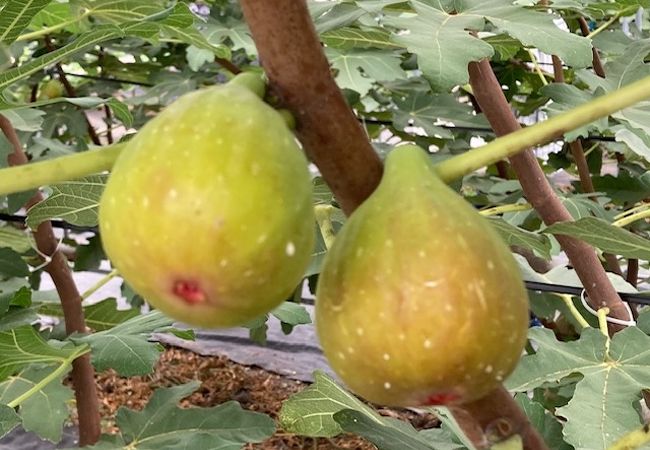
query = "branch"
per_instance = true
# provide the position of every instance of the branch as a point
(299, 75)
(584, 175)
(632, 275)
(109, 124)
(229, 66)
(540, 194)
(597, 63)
(83, 374)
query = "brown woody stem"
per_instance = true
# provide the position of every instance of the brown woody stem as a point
(580, 159)
(540, 194)
(83, 373)
(632, 275)
(597, 63)
(299, 74)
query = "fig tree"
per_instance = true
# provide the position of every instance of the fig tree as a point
(419, 301)
(208, 211)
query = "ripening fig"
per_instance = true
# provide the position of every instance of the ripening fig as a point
(208, 211)
(419, 301)
(51, 89)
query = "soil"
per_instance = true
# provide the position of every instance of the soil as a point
(223, 380)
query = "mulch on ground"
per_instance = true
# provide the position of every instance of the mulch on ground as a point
(223, 380)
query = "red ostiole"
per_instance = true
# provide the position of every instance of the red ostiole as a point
(189, 291)
(441, 398)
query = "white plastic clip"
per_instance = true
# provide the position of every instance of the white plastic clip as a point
(625, 323)
(46, 258)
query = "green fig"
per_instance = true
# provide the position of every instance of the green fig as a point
(51, 89)
(208, 212)
(419, 301)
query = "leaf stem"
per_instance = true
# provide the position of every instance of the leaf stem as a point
(626, 220)
(631, 211)
(602, 321)
(537, 67)
(604, 26)
(252, 80)
(543, 132)
(112, 274)
(496, 210)
(30, 176)
(591, 149)
(324, 218)
(48, 30)
(59, 371)
(574, 311)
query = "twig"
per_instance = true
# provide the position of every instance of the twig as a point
(596, 61)
(632, 275)
(83, 374)
(109, 79)
(584, 175)
(33, 93)
(107, 109)
(109, 120)
(540, 194)
(299, 74)
(70, 90)
(228, 65)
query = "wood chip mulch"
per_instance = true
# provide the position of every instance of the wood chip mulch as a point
(223, 380)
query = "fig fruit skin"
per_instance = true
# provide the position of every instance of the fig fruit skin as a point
(419, 301)
(52, 89)
(208, 212)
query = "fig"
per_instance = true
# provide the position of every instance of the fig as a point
(419, 301)
(208, 212)
(52, 89)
